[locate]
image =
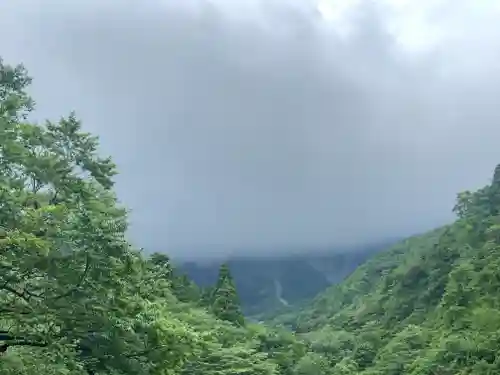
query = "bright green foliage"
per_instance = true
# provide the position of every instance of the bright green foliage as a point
(313, 364)
(63, 256)
(225, 304)
(184, 289)
(236, 359)
(281, 346)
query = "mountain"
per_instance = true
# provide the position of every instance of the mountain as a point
(267, 284)
(428, 305)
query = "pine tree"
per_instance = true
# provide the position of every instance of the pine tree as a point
(225, 301)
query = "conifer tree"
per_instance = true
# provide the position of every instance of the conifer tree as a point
(225, 301)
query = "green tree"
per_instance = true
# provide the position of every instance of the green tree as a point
(67, 274)
(62, 245)
(312, 364)
(215, 359)
(186, 290)
(281, 346)
(225, 303)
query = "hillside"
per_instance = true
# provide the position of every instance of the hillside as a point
(316, 312)
(429, 305)
(266, 284)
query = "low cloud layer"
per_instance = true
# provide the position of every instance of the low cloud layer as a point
(270, 126)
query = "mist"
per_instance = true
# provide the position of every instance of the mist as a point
(265, 127)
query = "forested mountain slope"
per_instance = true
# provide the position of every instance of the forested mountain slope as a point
(268, 283)
(363, 281)
(430, 305)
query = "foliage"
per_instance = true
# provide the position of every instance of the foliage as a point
(224, 301)
(429, 305)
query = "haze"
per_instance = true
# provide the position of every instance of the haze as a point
(261, 127)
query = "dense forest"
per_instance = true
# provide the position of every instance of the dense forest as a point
(78, 298)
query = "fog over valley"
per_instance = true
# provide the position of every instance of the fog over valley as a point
(257, 127)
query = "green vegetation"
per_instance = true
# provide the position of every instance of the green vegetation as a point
(77, 298)
(268, 285)
(429, 305)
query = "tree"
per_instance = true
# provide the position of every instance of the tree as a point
(214, 359)
(60, 227)
(225, 303)
(312, 364)
(67, 273)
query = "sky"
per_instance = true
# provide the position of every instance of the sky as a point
(262, 127)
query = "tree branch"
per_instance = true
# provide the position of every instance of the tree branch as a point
(10, 340)
(24, 295)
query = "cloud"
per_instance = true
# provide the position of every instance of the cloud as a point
(273, 126)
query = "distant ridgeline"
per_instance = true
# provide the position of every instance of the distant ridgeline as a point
(267, 284)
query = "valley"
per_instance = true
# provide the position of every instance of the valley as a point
(268, 283)
(77, 298)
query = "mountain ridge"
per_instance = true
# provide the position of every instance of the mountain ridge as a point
(269, 283)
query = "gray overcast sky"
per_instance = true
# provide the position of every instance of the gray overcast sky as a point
(266, 126)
